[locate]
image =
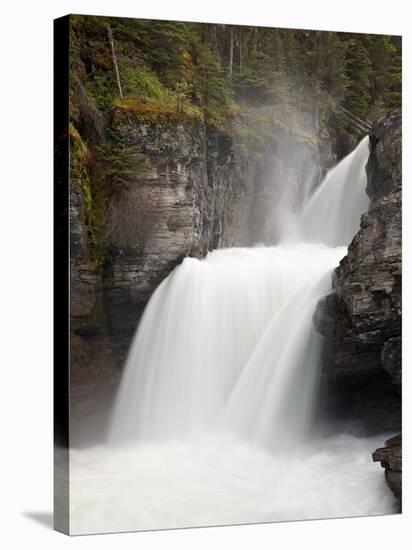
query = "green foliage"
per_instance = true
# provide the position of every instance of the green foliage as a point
(359, 74)
(80, 162)
(90, 58)
(145, 84)
(173, 67)
(210, 88)
(154, 111)
(386, 79)
(103, 172)
(120, 165)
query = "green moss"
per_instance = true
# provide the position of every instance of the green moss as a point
(94, 196)
(142, 83)
(79, 173)
(145, 110)
(173, 225)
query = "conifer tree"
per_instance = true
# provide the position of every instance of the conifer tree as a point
(359, 73)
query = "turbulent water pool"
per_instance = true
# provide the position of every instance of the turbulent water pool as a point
(220, 480)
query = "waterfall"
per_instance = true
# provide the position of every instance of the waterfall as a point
(213, 421)
(221, 342)
(332, 214)
(225, 340)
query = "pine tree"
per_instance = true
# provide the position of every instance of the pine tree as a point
(385, 80)
(359, 72)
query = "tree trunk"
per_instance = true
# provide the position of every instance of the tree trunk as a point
(231, 53)
(215, 44)
(116, 68)
(317, 72)
(255, 39)
(240, 49)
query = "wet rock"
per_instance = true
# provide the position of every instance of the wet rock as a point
(392, 359)
(361, 319)
(390, 457)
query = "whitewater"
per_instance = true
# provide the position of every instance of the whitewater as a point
(215, 418)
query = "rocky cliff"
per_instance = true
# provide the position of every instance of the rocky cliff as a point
(361, 318)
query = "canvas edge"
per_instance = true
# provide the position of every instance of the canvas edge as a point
(61, 273)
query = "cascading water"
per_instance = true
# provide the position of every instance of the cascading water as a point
(213, 418)
(221, 342)
(332, 214)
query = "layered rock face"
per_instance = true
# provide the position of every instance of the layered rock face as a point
(199, 192)
(361, 318)
(188, 195)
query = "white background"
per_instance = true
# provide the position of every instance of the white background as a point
(26, 272)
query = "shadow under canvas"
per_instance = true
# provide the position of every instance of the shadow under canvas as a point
(42, 518)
